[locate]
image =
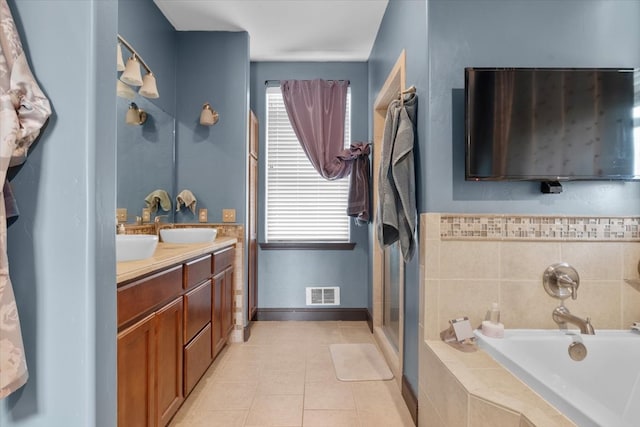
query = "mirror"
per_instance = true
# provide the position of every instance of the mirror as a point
(145, 157)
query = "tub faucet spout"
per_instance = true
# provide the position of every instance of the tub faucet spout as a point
(562, 316)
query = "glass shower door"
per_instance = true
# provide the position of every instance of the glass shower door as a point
(393, 279)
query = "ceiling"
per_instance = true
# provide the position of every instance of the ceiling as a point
(287, 30)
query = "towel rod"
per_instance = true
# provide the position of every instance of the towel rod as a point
(277, 82)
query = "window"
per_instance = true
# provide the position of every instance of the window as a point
(301, 206)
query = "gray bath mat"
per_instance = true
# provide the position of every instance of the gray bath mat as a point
(359, 362)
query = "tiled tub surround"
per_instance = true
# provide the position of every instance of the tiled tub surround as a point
(469, 261)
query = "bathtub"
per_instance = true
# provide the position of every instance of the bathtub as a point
(603, 390)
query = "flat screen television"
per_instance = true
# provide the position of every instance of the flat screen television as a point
(552, 124)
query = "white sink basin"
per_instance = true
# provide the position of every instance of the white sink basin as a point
(130, 247)
(188, 235)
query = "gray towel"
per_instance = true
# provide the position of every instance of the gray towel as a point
(396, 219)
(356, 157)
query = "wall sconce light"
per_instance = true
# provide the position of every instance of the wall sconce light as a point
(125, 91)
(208, 116)
(119, 63)
(131, 71)
(135, 115)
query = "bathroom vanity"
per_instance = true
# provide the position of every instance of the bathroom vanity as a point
(175, 314)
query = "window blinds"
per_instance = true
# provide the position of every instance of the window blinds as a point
(300, 204)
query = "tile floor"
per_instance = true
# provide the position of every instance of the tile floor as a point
(283, 376)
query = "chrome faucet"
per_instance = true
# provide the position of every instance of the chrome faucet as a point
(562, 316)
(157, 221)
(158, 218)
(561, 281)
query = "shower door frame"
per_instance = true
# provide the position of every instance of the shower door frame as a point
(394, 84)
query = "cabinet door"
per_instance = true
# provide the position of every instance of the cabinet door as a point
(136, 374)
(217, 340)
(197, 310)
(197, 358)
(169, 359)
(227, 310)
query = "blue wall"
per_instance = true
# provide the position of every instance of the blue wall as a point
(284, 274)
(404, 26)
(61, 249)
(570, 33)
(211, 160)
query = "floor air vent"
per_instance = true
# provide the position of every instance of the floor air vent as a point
(323, 296)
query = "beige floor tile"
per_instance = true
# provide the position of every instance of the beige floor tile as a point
(324, 336)
(237, 372)
(330, 418)
(318, 353)
(272, 382)
(357, 335)
(213, 419)
(369, 395)
(328, 395)
(354, 324)
(284, 364)
(275, 411)
(225, 396)
(385, 417)
(281, 382)
(320, 371)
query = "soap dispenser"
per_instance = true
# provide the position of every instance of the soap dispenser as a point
(491, 326)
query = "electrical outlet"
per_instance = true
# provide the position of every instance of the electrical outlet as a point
(202, 215)
(228, 215)
(121, 214)
(146, 215)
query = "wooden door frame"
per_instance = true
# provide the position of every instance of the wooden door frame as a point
(393, 86)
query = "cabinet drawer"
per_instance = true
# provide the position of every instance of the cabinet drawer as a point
(223, 259)
(197, 358)
(139, 297)
(196, 271)
(197, 310)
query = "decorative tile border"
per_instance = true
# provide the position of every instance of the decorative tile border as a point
(517, 227)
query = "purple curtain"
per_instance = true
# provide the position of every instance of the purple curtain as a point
(316, 110)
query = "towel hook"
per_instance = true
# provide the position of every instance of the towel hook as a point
(410, 89)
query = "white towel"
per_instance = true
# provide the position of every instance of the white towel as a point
(187, 199)
(158, 197)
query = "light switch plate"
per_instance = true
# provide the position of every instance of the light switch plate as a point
(202, 215)
(228, 215)
(146, 215)
(121, 214)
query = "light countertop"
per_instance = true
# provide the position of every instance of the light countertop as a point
(166, 255)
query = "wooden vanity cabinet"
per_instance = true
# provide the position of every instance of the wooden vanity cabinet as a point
(150, 368)
(222, 300)
(197, 333)
(217, 340)
(171, 324)
(170, 393)
(227, 309)
(136, 374)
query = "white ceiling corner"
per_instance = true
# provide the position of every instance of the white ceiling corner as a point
(287, 30)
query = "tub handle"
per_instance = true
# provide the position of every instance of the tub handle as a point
(561, 281)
